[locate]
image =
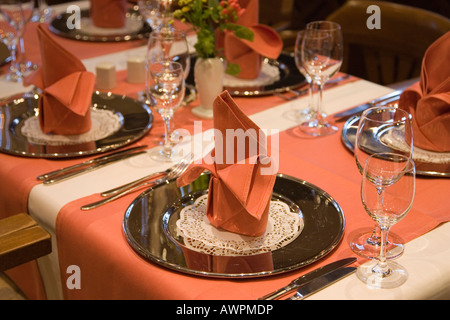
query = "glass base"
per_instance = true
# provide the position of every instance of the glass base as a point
(158, 154)
(365, 244)
(315, 128)
(20, 71)
(374, 278)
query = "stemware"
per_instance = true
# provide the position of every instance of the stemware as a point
(308, 112)
(387, 194)
(157, 13)
(380, 129)
(321, 56)
(44, 12)
(17, 13)
(165, 86)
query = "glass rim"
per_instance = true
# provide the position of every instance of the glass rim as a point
(335, 25)
(405, 114)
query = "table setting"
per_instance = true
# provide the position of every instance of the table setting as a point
(255, 194)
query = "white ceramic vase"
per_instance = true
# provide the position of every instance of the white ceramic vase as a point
(208, 75)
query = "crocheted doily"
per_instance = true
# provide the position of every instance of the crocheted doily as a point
(268, 75)
(200, 235)
(103, 124)
(395, 140)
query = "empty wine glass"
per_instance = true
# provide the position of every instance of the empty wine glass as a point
(44, 12)
(380, 129)
(387, 194)
(165, 86)
(157, 13)
(321, 56)
(17, 13)
(308, 112)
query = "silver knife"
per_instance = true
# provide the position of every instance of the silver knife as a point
(321, 283)
(307, 278)
(89, 162)
(94, 166)
(388, 97)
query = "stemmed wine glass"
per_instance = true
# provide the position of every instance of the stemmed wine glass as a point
(17, 13)
(380, 129)
(157, 13)
(321, 56)
(387, 193)
(165, 86)
(308, 112)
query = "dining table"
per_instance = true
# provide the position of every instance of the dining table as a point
(92, 257)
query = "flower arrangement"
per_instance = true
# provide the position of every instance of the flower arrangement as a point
(207, 16)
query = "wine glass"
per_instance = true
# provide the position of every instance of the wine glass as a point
(321, 56)
(165, 87)
(44, 12)
(308, 112)
(380, 129)
(157, 13)
(17, 13)
(387, 194)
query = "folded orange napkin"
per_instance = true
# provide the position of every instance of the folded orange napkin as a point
(247, 54)
(239, 190)
(64, 107)
(429, 99)
(108, 13)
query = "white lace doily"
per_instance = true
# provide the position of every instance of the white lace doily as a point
(104, 123)
(200, 235)
(395, 140)
(132, 25)
(268, 75)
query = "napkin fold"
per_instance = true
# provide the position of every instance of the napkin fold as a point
(247, 54)
(429, 99)
(239, 190)
(108, 13)
(64, 106)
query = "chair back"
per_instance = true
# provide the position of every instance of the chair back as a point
(393, 52)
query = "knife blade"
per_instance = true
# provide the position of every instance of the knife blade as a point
(294, 284)
(392, 96)
(321, 282)
(89, 162)
(89, 168)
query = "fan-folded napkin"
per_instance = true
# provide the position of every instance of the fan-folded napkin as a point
(239, 189)
(429, 99)
(108, 13)
(247, 54)
(64, 106)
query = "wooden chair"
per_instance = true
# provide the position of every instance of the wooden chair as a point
(394, 52)
(22, 240)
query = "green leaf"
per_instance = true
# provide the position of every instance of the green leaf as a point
(233, 69)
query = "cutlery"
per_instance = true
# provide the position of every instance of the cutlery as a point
(321, 283)
(308, 277)
(94, 166)
(146, 178)
(89, 162)
(175, 173)
(390, 97)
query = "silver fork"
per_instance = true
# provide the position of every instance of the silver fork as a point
(128, 188)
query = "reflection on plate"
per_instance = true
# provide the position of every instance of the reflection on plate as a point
(428, 163)
(150, 227)
(5, 56)
(135, 28)
(137, 119)
(289, 78)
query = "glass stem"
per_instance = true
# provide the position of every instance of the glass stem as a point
(319, 116)
(382, 267)
(167, 143)
(311, 97)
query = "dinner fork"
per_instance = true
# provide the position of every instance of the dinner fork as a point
(130, 187)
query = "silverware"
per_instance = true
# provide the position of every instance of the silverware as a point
(390, 97)
(321, 283)
(89, 162)
(175, 173)
(96, 165)
(307, 278)
(121, 188)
